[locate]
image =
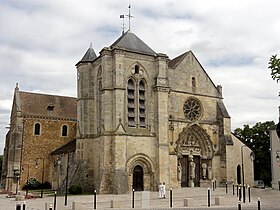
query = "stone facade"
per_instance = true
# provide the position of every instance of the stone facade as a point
(140, 119)
(144, 119)
(36, 130)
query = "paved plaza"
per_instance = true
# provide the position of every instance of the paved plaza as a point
(269, 199)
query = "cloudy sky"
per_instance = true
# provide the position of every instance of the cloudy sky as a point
(42, 40)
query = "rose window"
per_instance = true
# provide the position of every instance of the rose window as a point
(192, 109)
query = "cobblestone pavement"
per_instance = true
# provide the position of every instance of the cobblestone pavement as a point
(269, 200)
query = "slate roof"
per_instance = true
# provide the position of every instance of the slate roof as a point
(173, 63)
(35, 104)
(131, 42)
(67, 148)
(223, 109)
(89, 56)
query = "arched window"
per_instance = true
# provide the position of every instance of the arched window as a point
(37, 129)
(142, 104)
(131, 103)
(193, 82)
(136, 69)
(64, 130)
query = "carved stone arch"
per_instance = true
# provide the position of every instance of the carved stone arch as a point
(148, 170)
(195, 140)
(142, 70)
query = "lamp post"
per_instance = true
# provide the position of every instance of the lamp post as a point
(16, 175)
(27, 177)
(43, 172)
(66, 184)
(58, 161)
(242, 165)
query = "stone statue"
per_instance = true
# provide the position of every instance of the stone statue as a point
(204, 167)
(210, 176)
(192, 167)
(179, 171)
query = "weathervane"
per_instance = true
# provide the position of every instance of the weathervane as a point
(129, 17)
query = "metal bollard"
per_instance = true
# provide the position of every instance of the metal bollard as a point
(239, 192)
(208, 195)
(259, 204)
(213, 186)
(94, 199)
(18, 207)
(249, 193)
(226, 188)
(50, 207)
(232, 189)
(23, 205)
(239, 205)
(54, 202)
(244, 193)
(133, 198)
(170, 197)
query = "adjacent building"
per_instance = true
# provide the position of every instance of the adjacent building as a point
(39, 124)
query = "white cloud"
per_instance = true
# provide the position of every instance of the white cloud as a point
(41, 41)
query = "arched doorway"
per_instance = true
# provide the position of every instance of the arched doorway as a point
(194, 149)
(138, 178)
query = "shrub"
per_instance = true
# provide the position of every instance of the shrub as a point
(46, 185)
(75, 189)
(31, 184)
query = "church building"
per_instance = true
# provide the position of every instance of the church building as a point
(140, 118)
(145, 119)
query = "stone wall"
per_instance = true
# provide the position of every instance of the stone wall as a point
(40, 146)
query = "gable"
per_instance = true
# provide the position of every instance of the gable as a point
(186, 74)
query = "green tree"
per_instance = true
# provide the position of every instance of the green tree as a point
(257, 139)
(274, 65)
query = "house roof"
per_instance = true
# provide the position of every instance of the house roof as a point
(131, 42)
(42, 105)
(67, 148)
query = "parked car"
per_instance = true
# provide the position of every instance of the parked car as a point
(259, 184)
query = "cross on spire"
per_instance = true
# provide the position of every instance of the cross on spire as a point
(129, 16)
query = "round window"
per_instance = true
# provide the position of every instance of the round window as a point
(192, 109)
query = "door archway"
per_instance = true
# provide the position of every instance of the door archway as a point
(195, 142)
(138, 184)
(238, 174)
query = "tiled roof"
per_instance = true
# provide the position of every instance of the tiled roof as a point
(42, 105)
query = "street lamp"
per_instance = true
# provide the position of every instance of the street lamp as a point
(66, 184)
(27, 177)
(252, 156)
(16, 176)
(43, 171)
